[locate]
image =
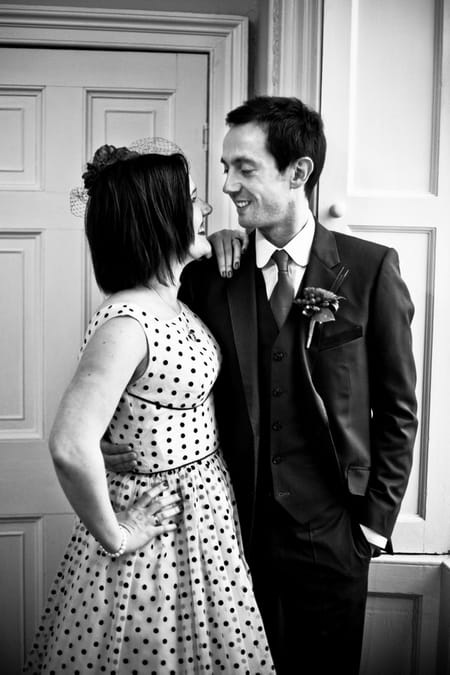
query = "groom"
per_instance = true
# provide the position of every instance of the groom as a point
(315, 400)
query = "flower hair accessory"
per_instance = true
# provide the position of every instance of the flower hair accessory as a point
(319, 305)
(105, 156)
(108, 155)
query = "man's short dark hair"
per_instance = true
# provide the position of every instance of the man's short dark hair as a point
(293, 131)
(138, 220)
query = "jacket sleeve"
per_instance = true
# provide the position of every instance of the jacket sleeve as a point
(392, 381)
(189, 279)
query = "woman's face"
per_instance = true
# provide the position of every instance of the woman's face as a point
(200, 247)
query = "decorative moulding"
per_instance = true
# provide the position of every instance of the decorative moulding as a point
(224, 38)
(294, 50)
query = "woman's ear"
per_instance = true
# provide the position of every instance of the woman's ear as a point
(302, 169)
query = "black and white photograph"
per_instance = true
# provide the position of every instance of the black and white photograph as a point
(224, 326)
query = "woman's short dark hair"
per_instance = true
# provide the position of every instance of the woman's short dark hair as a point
(293, 131)
(138, 218)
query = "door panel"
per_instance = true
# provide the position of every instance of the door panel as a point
(402, 619)
(56, 107)
(386, 103)
(385, 176)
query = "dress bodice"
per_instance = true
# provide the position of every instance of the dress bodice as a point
(167, 415)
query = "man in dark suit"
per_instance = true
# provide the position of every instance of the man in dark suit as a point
(315, 404)
(315, 401)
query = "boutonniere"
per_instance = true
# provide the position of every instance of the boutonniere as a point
(319, 305)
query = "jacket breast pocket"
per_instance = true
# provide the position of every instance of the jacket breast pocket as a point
(332, 336)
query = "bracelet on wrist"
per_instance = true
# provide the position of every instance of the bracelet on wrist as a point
(122, 546)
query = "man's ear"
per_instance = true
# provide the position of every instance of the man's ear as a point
(301, 171)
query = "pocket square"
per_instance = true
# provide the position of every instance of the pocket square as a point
(330, 339)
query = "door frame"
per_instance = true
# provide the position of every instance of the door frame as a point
(293, 43)
(223, 38)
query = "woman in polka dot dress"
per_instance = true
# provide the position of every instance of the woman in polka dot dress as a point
(154, 580)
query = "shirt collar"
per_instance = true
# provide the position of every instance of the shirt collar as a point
(299, 247)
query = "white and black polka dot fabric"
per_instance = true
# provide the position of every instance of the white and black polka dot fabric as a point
(184, 604)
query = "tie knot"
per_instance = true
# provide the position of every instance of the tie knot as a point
(281, 260)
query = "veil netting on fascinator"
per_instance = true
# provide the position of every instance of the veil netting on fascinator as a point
(157, 145)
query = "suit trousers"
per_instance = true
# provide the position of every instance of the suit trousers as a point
(310, 583)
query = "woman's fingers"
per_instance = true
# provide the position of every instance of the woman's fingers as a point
(166, 500)
(156, 502)
(147, 499)
(228, 245)
(166, 520)
(169, 512)
(236, 244)
(166, 527)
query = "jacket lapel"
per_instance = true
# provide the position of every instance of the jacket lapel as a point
(324, 263)
(244, 320)
(324, 270)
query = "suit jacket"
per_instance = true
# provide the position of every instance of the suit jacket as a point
(358, 374)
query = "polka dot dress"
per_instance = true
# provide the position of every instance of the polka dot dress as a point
(183, 604)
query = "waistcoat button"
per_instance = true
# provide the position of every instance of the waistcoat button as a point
(277, 391)
(276, 426)
(276, 460)
(278, 356)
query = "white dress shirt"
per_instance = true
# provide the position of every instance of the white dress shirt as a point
(299, 250)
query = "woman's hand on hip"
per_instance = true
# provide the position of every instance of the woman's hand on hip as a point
(153, 514)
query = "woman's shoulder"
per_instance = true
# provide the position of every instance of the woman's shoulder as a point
(139, 302)
(133, 303)
(119, 316)
(117, 307)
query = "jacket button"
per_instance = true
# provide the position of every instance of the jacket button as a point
(276, 460)
(278, 356)
(277, 392)
(276, 426)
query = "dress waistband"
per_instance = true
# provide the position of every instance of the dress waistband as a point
(142, 472)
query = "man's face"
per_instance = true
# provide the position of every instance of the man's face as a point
(262, 194)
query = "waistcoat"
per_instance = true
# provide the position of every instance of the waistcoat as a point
(293, 467)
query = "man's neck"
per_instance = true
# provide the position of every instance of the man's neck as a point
(281, 234)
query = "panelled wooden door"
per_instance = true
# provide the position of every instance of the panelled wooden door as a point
(385, 103)
(56, 107)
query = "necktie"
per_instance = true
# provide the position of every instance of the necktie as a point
(283, 293)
